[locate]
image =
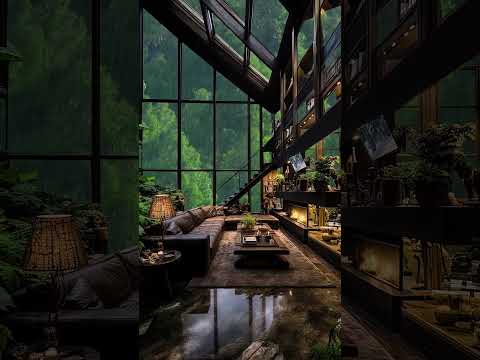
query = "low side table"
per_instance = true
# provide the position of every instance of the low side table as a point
(151, 272)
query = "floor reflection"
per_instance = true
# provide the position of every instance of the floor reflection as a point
(221, 323)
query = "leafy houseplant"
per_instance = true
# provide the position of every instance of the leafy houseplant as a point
(318, 180)
(326, 167)
(248, 222)
(303, 182)
(439, 150)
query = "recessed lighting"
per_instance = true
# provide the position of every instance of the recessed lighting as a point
(412, 27)
(394, 44)
(406, 34)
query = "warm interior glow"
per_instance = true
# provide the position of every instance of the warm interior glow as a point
(379, 260)
(299, 214)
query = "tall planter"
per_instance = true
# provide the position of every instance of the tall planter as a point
(432, 193)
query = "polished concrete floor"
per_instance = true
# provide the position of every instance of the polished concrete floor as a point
(221, 323)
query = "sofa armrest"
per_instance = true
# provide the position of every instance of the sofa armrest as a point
(195, 249)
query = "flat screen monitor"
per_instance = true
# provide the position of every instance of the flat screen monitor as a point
(297, 162)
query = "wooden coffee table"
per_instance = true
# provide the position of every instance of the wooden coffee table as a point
(263, 254)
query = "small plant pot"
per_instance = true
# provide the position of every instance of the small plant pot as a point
(392, 192)
(320, 186)
(434, 193)
(303, 184)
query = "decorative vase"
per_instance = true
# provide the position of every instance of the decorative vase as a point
(434, 193)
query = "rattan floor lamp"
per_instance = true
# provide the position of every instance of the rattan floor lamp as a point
(54, 248)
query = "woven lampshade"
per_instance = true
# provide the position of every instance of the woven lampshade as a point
(161, 207)
(55, 245)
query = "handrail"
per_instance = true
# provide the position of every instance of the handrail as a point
(238, 171)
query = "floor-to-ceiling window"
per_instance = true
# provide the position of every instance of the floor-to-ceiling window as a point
(200, 133)
(71, 108)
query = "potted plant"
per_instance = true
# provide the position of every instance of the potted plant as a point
(317, 180)
(439, 150)
(326, 167)
(248, 222)
(303, 182)
(279, 181)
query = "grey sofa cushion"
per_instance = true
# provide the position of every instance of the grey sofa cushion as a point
(81, 296)
(110, 280)
(198, 215)
(172, 228)
(185, 222)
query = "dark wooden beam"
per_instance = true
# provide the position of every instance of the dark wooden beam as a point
(191, 31)
(329, 123)
(442, 51)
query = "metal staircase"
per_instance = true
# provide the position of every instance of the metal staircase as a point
(232, 199)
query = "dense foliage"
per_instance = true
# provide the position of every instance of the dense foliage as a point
(160, 133)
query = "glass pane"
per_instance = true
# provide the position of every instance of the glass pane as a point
(197, 188)
(3, 118)
(407, 117)
(330, 19)
(267, 126)
(232, 136)
(260, 66)
(69, 178)
(229, 183)
(256, 201)
(331, 144)
(329, 101)
(458, 89)
(197, 136)
(159, 147)
(119, 193)
(197, 77)
(160, 57)
(311, 152)
(168, 180)
(255, 137)
(238, 6)
(387, 19)
(447, 7)
(50, 89)
(227, 91)
(120, 79)
(194, 5)
(268, 23)
(305, 37)
(228, 37)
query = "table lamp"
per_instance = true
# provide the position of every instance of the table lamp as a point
(55, 247)
(161, 208)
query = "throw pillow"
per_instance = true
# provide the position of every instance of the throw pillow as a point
(81, 296)
(110, 280)
(172, 228)
(185, 222)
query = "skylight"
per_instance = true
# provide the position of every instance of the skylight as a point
(268, 23)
